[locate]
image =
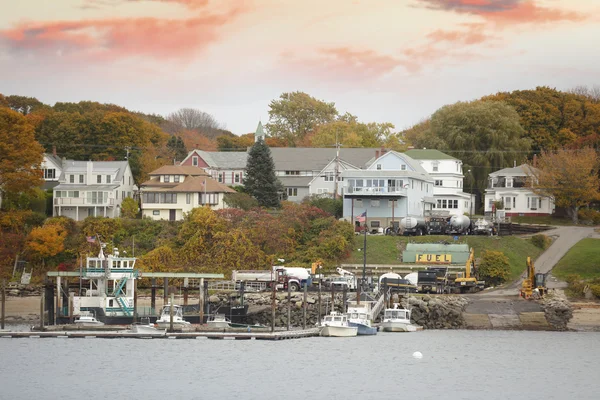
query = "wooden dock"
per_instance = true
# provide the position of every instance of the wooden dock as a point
(277, 335)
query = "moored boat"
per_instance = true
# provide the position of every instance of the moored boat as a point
(164, 321)
(145, 327)
(87, 319)
(218, 321)
(397, 320)
(358, 317)
(336, 325)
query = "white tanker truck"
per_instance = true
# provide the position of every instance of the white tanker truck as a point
(414, 226)
(458, 225)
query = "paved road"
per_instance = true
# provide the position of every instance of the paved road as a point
(564, 238)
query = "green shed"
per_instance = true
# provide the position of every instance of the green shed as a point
(436, 253)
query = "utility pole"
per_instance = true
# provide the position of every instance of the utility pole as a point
(127, 150)
(337, 167)
(471, 205)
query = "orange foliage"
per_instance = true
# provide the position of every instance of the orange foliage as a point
(195, 140)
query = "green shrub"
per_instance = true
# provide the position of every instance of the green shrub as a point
(494, 268)
(595, 290)
(541, 241)
(589, 214)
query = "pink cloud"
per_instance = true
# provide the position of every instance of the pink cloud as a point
(505, 11)
(474, 34)
(109, 39)
(102, 3)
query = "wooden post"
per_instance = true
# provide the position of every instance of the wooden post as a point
(71, 298)
(185, 291)
(358, 295)
(57, 313)
(332, 297)
(2, 313)
(165, 291)
(304, 305)
(273, 300)
(344, 299)
(319, 298)
(42, 311)
(201, 301)
(171, 307)
(135, 301)
(289, 310)
(153, 295)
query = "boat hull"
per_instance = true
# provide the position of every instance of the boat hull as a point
(363, 330)
(218, 324)
(339, 331)
(397, 327)
(146, 329)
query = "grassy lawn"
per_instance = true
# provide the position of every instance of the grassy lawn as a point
(583, 259)
(543, 220)
(388, 249)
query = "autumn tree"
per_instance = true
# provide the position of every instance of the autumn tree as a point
(193, 119)
(570, 177)
(295, 114)
(20, 154)
(240, 200)
(260, 180)
(129, 208)
(24, 104)
(485, 135)
(46, 241)
(235, 143)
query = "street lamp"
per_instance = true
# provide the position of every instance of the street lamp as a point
(471, 202)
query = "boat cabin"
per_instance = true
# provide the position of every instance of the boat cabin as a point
(397, 314)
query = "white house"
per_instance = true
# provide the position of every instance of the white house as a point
(324, 184)
(390, 188)
(447, 173)
(92, 188)
(509, 185)
(225, 167)
(174, 190)
(52, 169)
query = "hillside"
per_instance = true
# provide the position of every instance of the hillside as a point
(388, 249)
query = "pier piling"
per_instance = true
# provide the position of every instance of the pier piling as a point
(42, 311)
(201, 301)
(165, 291)
(332, 297)
(3, 304)
(135, 301)
(273, 301)
(185, 291)
(289, 308)
(319, 311)
(304, 305)
(171, 311)
(153, 295)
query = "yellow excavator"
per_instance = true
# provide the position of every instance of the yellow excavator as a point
(533, 283)
(467, 282)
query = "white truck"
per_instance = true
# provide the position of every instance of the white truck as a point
(296, 278)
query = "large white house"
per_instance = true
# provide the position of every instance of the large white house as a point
(174, 190)
(392, 187)
(52, 167)
(447, 173)
(509, 186)
(92, 188)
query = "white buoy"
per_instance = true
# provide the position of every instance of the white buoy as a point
(417, 354)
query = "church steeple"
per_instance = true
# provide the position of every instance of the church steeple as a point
(260, 133)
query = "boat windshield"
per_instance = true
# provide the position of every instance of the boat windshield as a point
(337, 318)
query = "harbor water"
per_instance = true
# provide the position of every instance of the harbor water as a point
(455, 365)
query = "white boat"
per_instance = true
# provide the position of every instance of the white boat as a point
(359, 317)
(87, 319)
(218, 321)
(164, 321)
(146, 327)
(336, 325)
(397, 320)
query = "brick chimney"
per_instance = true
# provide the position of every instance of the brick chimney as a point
(54, 151)
(376, 154)
(383, 150)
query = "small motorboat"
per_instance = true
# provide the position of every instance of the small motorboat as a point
(397, 320)
(164, 321)
(358, 317)
(336, 325)
(145, 326)
(87, 318)
(218, 321)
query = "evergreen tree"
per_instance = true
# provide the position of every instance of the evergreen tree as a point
(176, 145)
(260, 180)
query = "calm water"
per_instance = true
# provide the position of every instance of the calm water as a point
(455, 365)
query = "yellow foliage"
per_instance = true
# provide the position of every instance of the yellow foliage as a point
(46, 241)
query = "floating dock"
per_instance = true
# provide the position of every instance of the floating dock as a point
(277, 335)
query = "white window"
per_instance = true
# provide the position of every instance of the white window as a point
(155, 212)
(188, 198)
(176, 178)
(49, 173)
(98, 178)
(292, 172)
(72, 179)
(237, 178)
(439, 183)
(220, 177)
(291, 192)
(374, 203)
(439, 203)
(435, 167)
(444, 203)
(375, 224)
(80, 178)
(322, 190)
(532, 203)
(195, 161)
(107, 178)
(378, 166)
(122, 194)
(403, 167)
(509, 182)
(454, 203)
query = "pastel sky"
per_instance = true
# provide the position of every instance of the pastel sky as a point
(382, 60)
